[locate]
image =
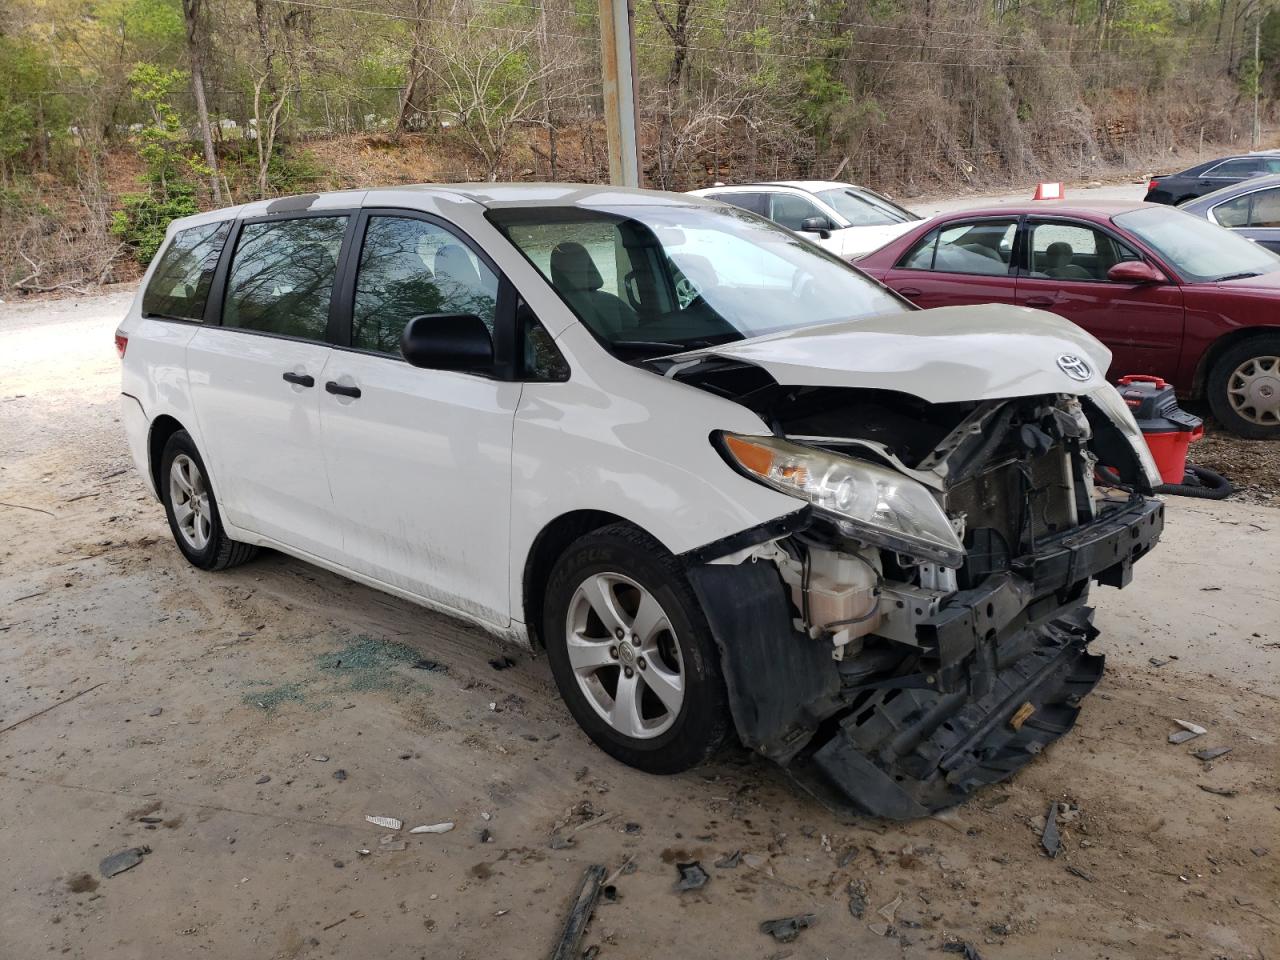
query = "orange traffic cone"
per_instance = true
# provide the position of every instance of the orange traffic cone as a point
(1048, 191)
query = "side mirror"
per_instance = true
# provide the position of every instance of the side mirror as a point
(1135, 271)
(819, 225)
(447, 341)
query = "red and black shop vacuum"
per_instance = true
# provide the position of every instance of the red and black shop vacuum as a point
(1169, 431)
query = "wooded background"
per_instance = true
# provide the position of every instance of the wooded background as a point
(117, 115)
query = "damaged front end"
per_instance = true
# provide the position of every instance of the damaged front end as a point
(896, 654)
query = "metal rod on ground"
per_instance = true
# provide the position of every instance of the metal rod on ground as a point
(617, 59)
(568, 947)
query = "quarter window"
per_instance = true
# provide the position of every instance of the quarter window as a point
(755, 202)
(1234, 212)
(282, 276)
(984, 247)
(411, 268)
(179, 285)
(1260, 209)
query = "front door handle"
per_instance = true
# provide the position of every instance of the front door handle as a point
(910, 291)
(1038, 302)
(301, 379)
(343, 391)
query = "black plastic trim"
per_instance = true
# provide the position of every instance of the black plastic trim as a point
(782, 526)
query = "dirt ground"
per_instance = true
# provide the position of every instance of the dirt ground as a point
(213, 714)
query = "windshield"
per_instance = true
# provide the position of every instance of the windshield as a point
(656, 280)
(865, 209)
(1199, 250)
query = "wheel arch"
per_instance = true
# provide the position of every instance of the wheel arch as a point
(162, 428)
(1200, 382)
(552, 540)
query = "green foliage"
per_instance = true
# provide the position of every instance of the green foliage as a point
(170, 164)
(33, 116)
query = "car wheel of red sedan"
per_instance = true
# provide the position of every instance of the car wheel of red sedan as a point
(1244, 388)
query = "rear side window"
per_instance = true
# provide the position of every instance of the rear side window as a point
(409, 268)
(1239, 167)
(282, 276)
(179, 286)
(755, 202)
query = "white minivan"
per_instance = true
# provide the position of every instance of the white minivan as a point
(728, 483)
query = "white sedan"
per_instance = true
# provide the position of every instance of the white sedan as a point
(844, 218)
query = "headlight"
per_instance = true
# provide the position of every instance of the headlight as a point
(869, 502)
(1108, 398)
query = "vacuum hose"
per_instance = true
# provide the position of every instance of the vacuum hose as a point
(1199, 482)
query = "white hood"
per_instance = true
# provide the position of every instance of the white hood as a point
(859, 241)
(948, 354)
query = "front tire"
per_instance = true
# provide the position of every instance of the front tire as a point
(632, 654)
(1244, 388)
(192, 509)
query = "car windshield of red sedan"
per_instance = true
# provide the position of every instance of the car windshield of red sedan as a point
(1200, 251)
(656, 280)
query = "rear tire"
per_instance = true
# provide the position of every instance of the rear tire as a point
(1244, 388)
(192, 509)
(632, 654)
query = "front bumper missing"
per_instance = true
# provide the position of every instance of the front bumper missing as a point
(997, 674)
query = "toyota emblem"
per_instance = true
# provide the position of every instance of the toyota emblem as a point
(1074, 367)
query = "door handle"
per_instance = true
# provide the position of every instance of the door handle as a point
(301, 379)
(910, 291)
(1038, 302)
(343, 391)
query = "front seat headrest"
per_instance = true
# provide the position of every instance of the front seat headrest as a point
(573, 269)
(452, 263)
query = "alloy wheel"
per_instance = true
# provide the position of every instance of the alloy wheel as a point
(189, 495)
(625, 655)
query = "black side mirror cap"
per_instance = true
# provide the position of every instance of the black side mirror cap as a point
(448, 341)
(819, 225)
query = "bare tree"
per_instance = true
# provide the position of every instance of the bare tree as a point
(191, 12)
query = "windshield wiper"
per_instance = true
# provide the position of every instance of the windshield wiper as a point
(665, 346)
(1237, 276)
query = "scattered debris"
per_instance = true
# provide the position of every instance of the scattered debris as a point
(729, 861)
(879, 929)
(962, 946)
(1259, 851)
(390, 823)
(603, 818)
(122, 861)
(1022, 715)
(1212, 753)
(1192, 728)
(631, 827)
(502, 663)
(628, 866)
(485, 836)
(151, 819)
(486, 815)
(559, 841)
(442, 827)
(265, 778)
(1220, 791)
(155, 711)
(692, 876)
(1082, 874)
(890, 909)
(1050, 839)
(52, 706)
(391, 844)
(787, 929)
(858, 898)
(319, 758)
(1156, 661)
(432, 665)
(568, 947)
(339, 774)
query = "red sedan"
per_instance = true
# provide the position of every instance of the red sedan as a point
(1170, 294)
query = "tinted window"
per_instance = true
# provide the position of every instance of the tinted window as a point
(985, 247)
(1067, 251)
(179, 286)
(282, 276)
(1240, 167)
(1270, 164)
(408, 268)
(791, 211)
(755, 202)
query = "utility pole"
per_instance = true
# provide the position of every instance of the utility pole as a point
(618, 58)
(1257, 76)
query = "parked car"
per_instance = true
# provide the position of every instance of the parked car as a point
(1250, 208)
(1178, 188)
(844, 218)
(1170, 294)
(726, 481)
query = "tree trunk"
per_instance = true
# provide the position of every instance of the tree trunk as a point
(191, 14)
